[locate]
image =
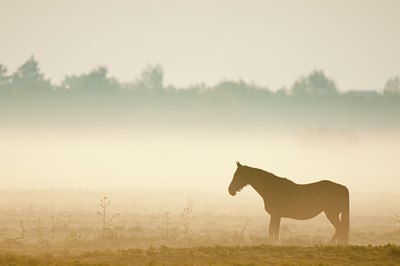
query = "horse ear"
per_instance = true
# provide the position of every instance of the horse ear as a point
(238, 164)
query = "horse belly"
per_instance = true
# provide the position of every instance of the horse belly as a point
(301, 214)
(296, 208)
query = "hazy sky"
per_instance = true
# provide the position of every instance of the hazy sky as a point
(271, 42)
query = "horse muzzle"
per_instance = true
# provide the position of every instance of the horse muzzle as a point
(232, 191)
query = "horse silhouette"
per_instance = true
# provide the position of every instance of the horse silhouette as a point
(285, 199)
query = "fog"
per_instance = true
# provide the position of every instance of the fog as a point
(133, 132)
(193, 159)
(95, 132)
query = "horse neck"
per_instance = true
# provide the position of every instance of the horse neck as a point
(259, 180)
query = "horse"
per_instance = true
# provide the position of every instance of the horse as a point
(285, 199)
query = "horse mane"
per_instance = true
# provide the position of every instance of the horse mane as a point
(265, 174)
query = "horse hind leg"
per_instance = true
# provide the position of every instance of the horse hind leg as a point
(345, 219)
(333, 217)
(274, 224)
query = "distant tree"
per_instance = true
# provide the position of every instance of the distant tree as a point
(152, 78)
(282, 92)
(239, 87)
(4, 78)
(315, 83)
(29, 80)
(238, 93)
(392, 87)
(231, 87)
(197, 87)
(229, 90)
(96, 80)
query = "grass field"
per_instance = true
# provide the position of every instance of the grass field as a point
(221, 255)
(68, 228)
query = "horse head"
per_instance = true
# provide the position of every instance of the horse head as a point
(238, 181)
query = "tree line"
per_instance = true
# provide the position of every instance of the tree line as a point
(28, 80)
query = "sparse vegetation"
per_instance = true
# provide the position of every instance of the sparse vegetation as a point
(167, 219)
(53, 227)
(106, 221)
(23, 230)
(72, 233)
(82, 230)
(179, 237)
(186, 220)
(39, 229)
(239, 236)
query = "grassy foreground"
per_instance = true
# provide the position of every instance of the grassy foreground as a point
(220, 255)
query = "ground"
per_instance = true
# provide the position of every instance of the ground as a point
(220, 255)
(67, 228)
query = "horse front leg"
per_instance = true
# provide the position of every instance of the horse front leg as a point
(274, 224)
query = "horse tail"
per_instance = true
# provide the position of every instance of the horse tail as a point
(345, 217)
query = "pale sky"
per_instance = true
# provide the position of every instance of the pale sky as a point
(270, 42)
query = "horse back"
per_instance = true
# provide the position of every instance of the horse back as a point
(303, 201)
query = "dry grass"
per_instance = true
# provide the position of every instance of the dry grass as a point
(35, 232)
(221, 255)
